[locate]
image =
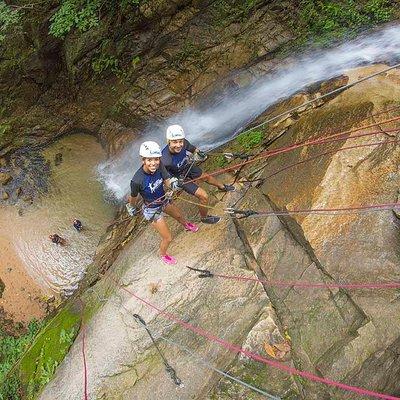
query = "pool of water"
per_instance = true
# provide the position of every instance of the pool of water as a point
(74, 193)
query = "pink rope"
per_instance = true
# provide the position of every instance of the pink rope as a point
(257, 357)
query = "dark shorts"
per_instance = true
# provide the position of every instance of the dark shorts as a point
(194, 173)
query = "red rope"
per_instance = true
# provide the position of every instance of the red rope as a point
(257, 357)
(329, 139)
(326, 153)
(384, 206)
(85, 372)
(285, 149)
(298, 284)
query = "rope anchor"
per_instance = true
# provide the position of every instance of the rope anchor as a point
(204, 273)
(168, 368)
(242, 156)
(240, 214)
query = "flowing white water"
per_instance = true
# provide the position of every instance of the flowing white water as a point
(220, 122)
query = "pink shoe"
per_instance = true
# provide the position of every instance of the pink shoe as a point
(169, 259)
(191, 227)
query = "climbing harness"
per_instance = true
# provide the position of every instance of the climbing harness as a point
(168, 368)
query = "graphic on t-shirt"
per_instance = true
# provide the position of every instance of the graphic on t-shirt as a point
(155, 185)
(184, 161)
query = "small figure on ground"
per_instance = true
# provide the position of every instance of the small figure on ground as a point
(57, 239)
(177, 158)
(149, 181)
(77, 225)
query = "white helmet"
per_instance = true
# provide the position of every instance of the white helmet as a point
(150, 150)
(175, 132)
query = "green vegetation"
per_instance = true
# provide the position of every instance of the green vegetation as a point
(9, 17)
(85, 14)
(75, 14)
(225, 12)
(49, 349)
(105, 62)
(35, 356)
(11, 349)
(327, 20)
(249, 140)
(189, 51)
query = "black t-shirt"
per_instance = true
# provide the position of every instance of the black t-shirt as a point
(150, 186)
(176, 163)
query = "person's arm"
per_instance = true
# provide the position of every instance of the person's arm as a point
(169, 181)
(133, 199)
(189, 147)
(197, 153)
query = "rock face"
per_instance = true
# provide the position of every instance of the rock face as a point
(168, 58)
(349, 336)
(127, 366)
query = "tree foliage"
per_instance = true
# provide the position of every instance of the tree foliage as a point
(327, 19)
(85, 14)
(8, 18)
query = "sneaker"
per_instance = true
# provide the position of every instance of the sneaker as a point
(210, 219)
(191, 227)
(228, 188)
(168, 259)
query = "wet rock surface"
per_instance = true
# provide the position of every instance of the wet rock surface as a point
(181, 49)
(350, 336)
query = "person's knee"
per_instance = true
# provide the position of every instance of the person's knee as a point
(168, 238)
(203, 197)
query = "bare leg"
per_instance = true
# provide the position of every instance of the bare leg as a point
(211, 181)
(166, 237)
(175, 213)
(203, 198)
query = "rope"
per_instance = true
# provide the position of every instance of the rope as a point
(320, 211)
(324, 154)
(274, 364)
(321, 140)
(218, 371)
(297, 284)
(285, 149)
(170, 370)
(317, 211)
(322, 97)
(85, 371)
(229, 156)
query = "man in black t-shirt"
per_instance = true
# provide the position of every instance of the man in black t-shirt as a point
(177, 159)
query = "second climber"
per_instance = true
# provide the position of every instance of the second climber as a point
(177, 156)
